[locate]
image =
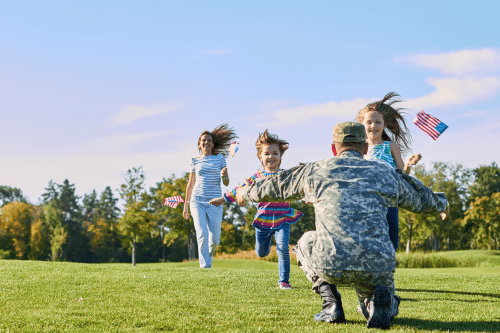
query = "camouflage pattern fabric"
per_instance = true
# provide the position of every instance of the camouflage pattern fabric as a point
(351, 197)
(349, 131)
(364, 282)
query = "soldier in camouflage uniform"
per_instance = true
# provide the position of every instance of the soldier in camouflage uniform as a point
(351, 243)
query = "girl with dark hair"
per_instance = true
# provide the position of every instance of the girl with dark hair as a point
(203, 185)
(379, 118)
(272, 218)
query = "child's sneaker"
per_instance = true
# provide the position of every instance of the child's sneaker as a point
(285, 285)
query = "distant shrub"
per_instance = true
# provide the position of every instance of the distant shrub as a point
(465, 258)
(431, 260)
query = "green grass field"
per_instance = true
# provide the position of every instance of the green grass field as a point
(234, 296)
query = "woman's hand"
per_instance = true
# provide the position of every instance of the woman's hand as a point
(225, 176)
(217, 201)
(185, 212)
(223, 173)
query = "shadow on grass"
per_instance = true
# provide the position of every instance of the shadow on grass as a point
(456, 326)
(448, 292)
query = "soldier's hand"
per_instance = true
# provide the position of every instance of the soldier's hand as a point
(445, 213)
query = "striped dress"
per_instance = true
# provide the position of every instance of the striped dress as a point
(270, 215)
(207, 171)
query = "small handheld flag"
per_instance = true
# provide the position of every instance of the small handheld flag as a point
(233, 148)
(429, 124)
(173, 201)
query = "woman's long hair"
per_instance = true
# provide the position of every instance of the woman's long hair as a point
(393, 119)
(222, 136)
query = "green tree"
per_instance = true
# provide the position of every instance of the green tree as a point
(40, 237)
(171, 223)
(15, 223)
(430, 228)
(74, 246)
(486, 182)
(230, 238)
(11, 194)
(484, 214)
(306, 222)
(100, 219)
(137, 222)
(54, 219)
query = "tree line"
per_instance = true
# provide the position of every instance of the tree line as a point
(93, 229)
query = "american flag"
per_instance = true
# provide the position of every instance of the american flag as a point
(429, 124)
(173, 201)
(233, 148)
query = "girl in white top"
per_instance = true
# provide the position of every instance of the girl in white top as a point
(206, 172)
(379, 118)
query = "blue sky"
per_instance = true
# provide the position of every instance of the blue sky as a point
(90, 89)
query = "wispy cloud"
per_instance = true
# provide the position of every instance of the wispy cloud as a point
(462, 62)
(217, 52)
(453, 91)
(291, 116)
(468, 84)
(130, 113)
(475, 113)
(127, 139)
(456, 91)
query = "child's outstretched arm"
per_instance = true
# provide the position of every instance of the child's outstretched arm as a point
(231, 195)
(396, 155)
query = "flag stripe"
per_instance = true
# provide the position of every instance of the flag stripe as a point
(173, 201)
(429, 124)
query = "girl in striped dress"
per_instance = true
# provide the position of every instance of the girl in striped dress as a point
(206, 172)
(272, 218)
(378, 118)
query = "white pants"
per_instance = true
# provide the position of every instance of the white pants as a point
(207, 223)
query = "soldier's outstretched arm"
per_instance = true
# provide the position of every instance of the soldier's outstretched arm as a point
(416, 197)
(287, 185)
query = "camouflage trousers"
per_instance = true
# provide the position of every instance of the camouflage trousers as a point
(364, 282)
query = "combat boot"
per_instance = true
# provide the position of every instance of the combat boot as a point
(380, 309)
(332, 311)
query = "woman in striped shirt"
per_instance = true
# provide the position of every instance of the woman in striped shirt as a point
(206, 172)
(272, 218)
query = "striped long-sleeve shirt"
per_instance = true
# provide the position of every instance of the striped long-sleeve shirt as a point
(270, 215)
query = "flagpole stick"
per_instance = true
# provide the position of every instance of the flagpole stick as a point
(427, 147)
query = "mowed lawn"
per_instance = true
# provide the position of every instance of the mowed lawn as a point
(234, 296)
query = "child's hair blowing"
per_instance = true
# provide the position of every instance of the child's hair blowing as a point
(267, 138)
(222, 136)
(393, 118)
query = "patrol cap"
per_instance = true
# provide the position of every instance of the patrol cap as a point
(349, 131)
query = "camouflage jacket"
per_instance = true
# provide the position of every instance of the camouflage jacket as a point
(351, 197)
